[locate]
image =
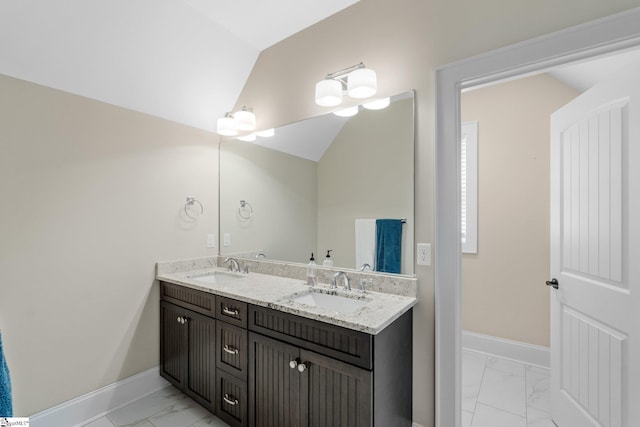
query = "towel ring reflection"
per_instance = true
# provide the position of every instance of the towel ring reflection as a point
(192, 201)
(245, 211)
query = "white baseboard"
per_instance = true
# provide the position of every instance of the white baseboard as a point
(522, 352)
(97, 403)
(416, 425)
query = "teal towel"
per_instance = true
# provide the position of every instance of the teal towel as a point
(388, 245)
(6, 407)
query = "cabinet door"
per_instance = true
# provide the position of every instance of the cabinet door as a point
(334, 393)
(200, 359)
(173, 344)
(274, 386)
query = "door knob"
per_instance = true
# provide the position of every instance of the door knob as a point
(553, 283)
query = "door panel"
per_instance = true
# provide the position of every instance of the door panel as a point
(172, 344)
(201, 359)
(594, 235)
(334, 393)
(274, 387)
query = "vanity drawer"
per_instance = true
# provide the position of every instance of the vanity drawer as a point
(198, 301)
(231, 393)
(231, 351)
(232, 311)
(344, 344)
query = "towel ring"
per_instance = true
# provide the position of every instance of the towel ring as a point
(192, 201)
(245, 211)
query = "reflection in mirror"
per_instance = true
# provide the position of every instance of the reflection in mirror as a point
(308, 184)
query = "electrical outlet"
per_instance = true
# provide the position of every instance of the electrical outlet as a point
(227, 239)
(211, 240)
(424, 254)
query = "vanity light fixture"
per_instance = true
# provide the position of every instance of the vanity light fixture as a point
(378, 104)
(357, 81)
(347, 112)
(243, 120)
(226, 126)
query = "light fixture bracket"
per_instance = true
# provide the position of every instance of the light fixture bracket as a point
(341, 75)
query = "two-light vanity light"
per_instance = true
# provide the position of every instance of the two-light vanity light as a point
(231, 124)
(357, 82)
(241, 121)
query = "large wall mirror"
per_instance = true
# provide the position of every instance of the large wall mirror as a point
(309, 186)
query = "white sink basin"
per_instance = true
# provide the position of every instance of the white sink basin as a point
(329, 301)
(216, 277)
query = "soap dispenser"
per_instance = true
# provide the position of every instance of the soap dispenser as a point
(328, 262)
(311, 271)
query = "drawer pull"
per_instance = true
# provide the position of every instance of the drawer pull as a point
(230, 312)
(231, 350)
(228, 400)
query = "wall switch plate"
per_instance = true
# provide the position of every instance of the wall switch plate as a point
(424, 254)
(211, 240)
(226, 241)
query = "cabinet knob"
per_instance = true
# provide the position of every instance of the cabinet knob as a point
(302, 367)
(293, 364)
(179, 319)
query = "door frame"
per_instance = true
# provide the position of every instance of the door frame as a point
(606, 35)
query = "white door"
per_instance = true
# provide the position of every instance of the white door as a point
(595, 255)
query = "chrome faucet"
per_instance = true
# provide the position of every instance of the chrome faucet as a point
(336, 277)
(364, 266)
(233, 264)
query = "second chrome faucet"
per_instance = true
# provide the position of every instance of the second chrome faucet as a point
(336, 278)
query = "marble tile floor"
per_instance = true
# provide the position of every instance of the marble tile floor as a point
(167, 407)
(498, 392)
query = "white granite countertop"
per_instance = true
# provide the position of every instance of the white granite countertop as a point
(379, 309)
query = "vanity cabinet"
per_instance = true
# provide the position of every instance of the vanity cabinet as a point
(256, 366)
(290, 386)
(303, 372)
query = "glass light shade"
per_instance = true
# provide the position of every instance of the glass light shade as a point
(226, 126)
(248, 138)
(267, 133)
(362, 83)
(328, 93)
(378, 104)
(245, 120)
(347, 112)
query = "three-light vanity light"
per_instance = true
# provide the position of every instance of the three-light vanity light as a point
(356, 82)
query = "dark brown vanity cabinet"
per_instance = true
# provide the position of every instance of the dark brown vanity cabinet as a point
(293, 387)
(303, 372)
(203, 356)
(256, 366)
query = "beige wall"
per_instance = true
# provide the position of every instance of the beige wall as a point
(405, 41)
(282, 191)
(92, 197)
(367, 172)
(503, 291)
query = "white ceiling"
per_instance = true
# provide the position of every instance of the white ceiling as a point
(182, 60)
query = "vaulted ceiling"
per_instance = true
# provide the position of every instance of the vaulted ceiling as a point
(182, 60)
